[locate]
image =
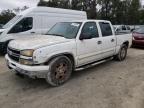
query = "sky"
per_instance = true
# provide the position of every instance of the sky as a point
(11, 4)
(142, 2)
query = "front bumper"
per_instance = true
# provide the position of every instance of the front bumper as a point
(31, 71)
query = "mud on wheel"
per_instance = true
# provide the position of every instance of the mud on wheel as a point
(60, 71)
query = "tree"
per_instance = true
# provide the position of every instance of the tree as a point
(106, 6)
(91, 9)
(18, 9)
(74, 4)
(6, 15)
(55, 3)
(42, 3)
(134, 12)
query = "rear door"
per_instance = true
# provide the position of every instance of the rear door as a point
(108, 39)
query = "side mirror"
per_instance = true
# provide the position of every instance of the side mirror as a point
(84, 36)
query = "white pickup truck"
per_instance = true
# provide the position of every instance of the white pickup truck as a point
(68, 46)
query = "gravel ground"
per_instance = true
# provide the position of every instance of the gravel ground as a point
(109, 85)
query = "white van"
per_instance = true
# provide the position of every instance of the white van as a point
(37, 20)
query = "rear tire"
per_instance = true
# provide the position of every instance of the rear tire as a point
(122, 53)
(59, 71)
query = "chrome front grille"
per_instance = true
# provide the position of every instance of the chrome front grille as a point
(13, 54)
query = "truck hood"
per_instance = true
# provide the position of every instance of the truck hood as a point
(38, 41)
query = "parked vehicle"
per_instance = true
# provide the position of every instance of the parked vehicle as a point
(138, 37)
(36, 20)
(122, 29)
(68, 46)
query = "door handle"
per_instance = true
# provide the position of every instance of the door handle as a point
(99, 42)
(112, 40)
(32, 32)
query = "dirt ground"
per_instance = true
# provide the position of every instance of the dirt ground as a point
(109, 85)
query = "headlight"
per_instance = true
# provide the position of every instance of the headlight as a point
(28, 53)
(26, 62)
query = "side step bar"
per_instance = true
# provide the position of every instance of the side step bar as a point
(93, 64)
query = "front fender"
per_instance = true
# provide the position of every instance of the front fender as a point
(44, 54)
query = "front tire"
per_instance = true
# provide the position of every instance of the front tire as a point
(122, 53)
(60, 71)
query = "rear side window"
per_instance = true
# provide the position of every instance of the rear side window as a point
(105, 29)
(24, 25)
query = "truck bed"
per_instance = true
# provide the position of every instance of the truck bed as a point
(123, 38)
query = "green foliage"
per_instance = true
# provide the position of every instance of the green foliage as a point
(5, 16)
(55, 3)
(141, 17)
(133, 13)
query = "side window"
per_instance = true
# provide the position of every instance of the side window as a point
(24, 25)
(90, 30)
(128, 28)
(123, 28)
(105, 29)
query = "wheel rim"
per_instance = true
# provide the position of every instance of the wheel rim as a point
(61, 72)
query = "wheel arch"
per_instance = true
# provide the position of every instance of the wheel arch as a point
(69, 55)
(126, 43)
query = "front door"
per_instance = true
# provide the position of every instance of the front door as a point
(89, 49)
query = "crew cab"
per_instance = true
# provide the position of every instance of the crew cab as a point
(68, 46)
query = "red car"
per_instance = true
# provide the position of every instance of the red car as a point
(138, 37)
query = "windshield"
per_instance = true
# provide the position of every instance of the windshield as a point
(141, 30)
(12, 21)
(65, 29)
